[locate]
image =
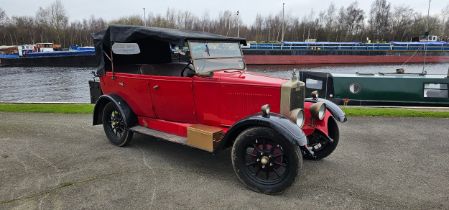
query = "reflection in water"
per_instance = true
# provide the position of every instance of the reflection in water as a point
(44, 84)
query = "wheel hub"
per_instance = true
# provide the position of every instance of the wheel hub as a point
(264, 160)
(116, 123)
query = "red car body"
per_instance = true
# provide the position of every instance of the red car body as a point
(172, 104)
(267, 121)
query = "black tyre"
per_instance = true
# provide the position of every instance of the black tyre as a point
(264, 161)
(321, 144)
(115, 126)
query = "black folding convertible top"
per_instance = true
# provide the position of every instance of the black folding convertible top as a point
(125, 33)
(153, 42)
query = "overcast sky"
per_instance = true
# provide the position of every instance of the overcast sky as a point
(110, 9)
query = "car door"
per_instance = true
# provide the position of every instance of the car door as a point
(133, 88)
(208, 100)
(173, 98)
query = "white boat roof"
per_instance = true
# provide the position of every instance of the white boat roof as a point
(391, 75)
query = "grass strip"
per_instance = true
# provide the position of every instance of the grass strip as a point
(47, 108)
(394, 112)
(350, 111)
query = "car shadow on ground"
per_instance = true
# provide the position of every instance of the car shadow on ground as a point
(177, 155)
(219, 166)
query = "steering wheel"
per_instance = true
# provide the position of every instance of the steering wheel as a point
(187, 67)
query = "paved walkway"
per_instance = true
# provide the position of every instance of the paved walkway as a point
(59, 161)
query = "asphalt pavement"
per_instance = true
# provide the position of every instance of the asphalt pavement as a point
(60, 161)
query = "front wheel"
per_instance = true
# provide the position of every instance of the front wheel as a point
(323, 145)
(264, 161)
(115, 127)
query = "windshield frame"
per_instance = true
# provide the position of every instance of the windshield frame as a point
(210, 72)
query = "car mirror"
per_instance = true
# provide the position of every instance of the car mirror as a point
(126, 48)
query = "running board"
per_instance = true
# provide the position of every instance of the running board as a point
(199, 136)
(159, 134)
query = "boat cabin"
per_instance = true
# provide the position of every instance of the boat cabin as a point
(398, 88)
(44, 47)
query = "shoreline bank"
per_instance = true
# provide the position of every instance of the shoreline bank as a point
(351, 111)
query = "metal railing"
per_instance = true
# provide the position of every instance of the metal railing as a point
(352, 47)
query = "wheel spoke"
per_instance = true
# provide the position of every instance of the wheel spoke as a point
(277, 173)
(280, 164)
(256, 148)
(263, 145)
(251, 154)
(251, 164)
(272, 149)
(258, 170)
(277, 155)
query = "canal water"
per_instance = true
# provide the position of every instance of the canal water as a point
(44, 84)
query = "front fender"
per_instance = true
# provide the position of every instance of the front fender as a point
(334, 109)
(123, 107)
(328, 126)
(279, 123)
(310, 124)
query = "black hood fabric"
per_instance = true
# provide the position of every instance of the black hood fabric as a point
(148, 36)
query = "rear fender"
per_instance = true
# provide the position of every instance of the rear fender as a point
(279, 123)
(128, 115)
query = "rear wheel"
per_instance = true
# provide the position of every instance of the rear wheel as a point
(264, 161)
(115, 127)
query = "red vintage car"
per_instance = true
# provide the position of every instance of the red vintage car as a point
(192, 88)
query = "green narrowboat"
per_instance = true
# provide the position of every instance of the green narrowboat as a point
(399, 88)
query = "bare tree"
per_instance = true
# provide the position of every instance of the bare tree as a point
(4, 20)
(257, 28)
(204, 22)
(130, 20)
(3, 17)
(51, 24)
(354, 19)
(58, 17)
(379, 20)
(402, 23)
(445, 22)
(330, 22)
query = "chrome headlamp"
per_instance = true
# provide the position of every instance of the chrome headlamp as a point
(318, 110)
(297, 116)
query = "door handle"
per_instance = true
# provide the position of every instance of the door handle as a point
(156, 87)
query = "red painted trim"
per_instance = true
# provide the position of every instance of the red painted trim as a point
(175, 128)
(339, 59)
